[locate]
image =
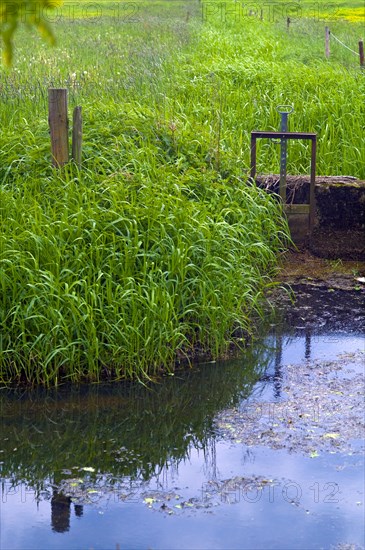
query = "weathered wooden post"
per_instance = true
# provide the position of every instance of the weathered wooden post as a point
(361, 53)
(327, 35)
(58, 125)
(77, 135)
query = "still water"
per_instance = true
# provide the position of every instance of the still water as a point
(124, 466)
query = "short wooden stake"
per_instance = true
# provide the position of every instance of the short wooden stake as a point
(327, 33)
(77, 135)
(58, 125)
(361, 53)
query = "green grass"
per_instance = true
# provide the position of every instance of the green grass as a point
(158, 246)
(99, 278)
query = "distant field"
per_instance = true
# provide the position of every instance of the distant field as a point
(213, 69)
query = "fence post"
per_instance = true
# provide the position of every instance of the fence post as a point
(77, 135)
(361, 53)
(58, 125)
(287, 23)
(328, 33)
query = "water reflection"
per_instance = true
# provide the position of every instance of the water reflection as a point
(277, 376)
(61, 511)
(74, 446)
(115, 437)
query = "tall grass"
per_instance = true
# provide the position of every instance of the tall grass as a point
(158, 246)
(100, 278)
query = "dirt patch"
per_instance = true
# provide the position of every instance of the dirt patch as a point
(347, 244)
(300, 266)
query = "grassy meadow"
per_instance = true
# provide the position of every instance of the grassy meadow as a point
(158, 247)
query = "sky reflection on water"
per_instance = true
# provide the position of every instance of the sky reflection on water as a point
(131, 446)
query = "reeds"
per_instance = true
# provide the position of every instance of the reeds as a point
(157, 247)
(110, 279)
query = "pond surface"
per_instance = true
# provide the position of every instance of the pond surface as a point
(264, 451)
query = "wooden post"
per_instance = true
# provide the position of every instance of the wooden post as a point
(77, 135)
(361, 53)
(328, 33)
(287, 23)
(58, 125)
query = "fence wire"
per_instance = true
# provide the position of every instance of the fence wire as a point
(344, 45)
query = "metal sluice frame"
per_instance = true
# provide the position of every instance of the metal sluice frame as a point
(283, 136)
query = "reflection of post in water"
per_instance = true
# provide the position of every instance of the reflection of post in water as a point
(79, 510)
(278, 359)
(210, 461)
(307, 353)
(61, 512)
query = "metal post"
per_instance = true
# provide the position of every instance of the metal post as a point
(312, 196)
(253, 157)
(292, 208)
(284, 111)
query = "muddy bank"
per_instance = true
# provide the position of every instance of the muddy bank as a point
(322, 408)
(340, 200)
(300, 267)
(338, 230)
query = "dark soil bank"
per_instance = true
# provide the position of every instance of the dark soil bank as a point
(339, 230)
(321, 407)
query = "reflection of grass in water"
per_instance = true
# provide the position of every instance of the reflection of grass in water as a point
(120, 431)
